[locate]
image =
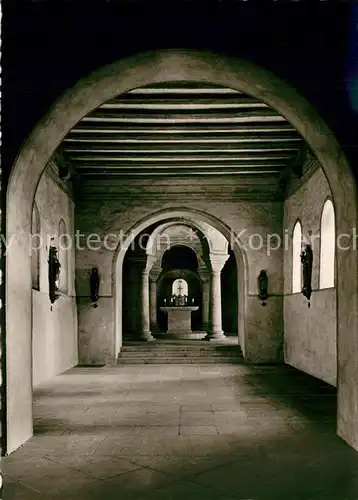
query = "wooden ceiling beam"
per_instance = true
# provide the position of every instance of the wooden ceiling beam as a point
(178, 105)
(262, 116)
(180, 159)
(184, 149)
(181, 89)
(236, 131)
(170, 166)
(196, 141)
(156, 173)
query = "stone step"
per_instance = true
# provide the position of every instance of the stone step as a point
(181, 352)
(181, 360)
(164, 353)
(150, 346)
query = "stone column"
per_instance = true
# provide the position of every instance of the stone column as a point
(206, 304)
(145, 333)
(217, 263)
(153, 303)
(153, 278)
(204, 274)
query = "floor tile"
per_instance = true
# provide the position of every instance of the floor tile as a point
(170, 432)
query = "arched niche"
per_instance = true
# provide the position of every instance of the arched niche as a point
(296, 258)
(327, 246)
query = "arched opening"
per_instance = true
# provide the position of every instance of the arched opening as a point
(328, 247)
(180, 287)
(178, 261)
(180, 257)
(107, 83)
(296, 258)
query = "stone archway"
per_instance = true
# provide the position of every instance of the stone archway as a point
(105, 84)
(192, 218)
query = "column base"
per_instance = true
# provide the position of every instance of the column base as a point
(146, 336)
(215, 336)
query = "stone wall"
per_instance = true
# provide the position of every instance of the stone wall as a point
(310, 333)
(54, 333)
(247, 218)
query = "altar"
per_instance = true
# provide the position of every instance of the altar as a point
(179, 320)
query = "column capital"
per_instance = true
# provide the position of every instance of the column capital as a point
(217, 261)
(155, 273)
(204, 273)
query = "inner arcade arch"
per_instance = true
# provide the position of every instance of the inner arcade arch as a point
(194, 219)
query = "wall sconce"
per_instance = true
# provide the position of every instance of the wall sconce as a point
(307, 261)
(94, 286)
(263, 286)
(54, 267)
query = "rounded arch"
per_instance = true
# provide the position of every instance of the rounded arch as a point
(180, 286)
(154, 240)
(204, 236)
(193, 217)
(107, 83)
(186, 245)
(178, 273)
(327, 245)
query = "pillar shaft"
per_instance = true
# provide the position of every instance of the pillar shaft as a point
(153, 303)
(217, 263)
(215, 303)
(145, 316)
(206, 304)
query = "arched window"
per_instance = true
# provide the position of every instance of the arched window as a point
(180, 287)
(63, 245)
(35, 247)
(328, 246)
(296, 258)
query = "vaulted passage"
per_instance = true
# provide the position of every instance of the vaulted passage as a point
(187, 285)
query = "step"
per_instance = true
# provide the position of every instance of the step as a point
(161, 347)
(181, 360)
(188, 354)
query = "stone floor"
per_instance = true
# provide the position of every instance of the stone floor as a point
(168, 432)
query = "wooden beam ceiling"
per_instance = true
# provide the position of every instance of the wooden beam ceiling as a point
(183, 130)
